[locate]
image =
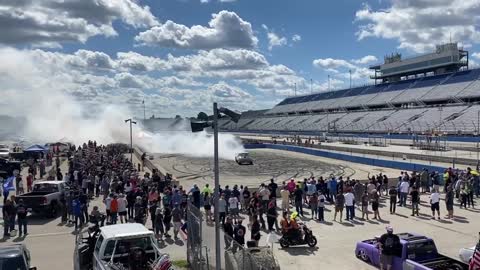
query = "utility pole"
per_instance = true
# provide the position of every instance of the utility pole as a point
(350, 71)
(311, 86)
(218, 259)
(131, 138)
(144, 115)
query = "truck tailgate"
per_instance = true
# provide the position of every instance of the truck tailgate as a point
(33, 201)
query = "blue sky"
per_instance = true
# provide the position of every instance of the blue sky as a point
(181, 55)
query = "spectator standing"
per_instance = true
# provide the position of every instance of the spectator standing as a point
(207, 205)
(415, 198)
(393, 192)
(77, 212)
(313, 202)
(239, 233)
(264, 195)
(404, 188)
(114, 209)
(22, 218)
(222, 208)
(349, 204)
(285, 195)
(29, 182)
(375, 204)
(339, 203)
(388, 245)
(122, 208)
(233, 207)
(177, 220)
(255, 230)
(272, 187)
(365, 199)
(321, 207)
(298, 194)
(435, 203)
(159, 231)
(228, 229)
(449, 196)
(7, 211)
(167, 219)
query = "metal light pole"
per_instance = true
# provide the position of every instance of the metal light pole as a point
(198, 126)
(218, 259)
(350, 71)
(131, 138)
(144, 115)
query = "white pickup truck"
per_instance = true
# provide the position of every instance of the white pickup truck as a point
(119, 247)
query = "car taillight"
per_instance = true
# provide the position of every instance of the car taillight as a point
(166, 265)
(44, 201)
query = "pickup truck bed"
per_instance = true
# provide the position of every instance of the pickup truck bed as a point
(444, 263)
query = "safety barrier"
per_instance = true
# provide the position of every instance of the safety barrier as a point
(404, 166)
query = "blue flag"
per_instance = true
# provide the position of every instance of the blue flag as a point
(8, 184)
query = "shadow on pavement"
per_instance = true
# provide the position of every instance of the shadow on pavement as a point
(301, 251)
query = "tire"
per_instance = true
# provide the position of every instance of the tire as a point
(312, 241)
(284, 243)
(362, 255)
(52, 211)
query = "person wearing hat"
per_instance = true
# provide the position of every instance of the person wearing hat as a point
(389, 244)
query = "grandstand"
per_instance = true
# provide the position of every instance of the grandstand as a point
(443, 97)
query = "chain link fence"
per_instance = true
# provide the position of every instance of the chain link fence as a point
(201, 247)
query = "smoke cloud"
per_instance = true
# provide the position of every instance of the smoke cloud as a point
(50, 101)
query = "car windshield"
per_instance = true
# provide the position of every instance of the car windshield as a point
(12, 263)
(418, 251)
(45, 188)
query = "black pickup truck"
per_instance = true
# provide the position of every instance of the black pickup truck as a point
(7, 167)
(45, 197)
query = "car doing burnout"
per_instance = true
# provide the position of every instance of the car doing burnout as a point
(244, 158)
(417, 253)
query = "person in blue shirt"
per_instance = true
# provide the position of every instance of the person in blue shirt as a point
(77, 212)
(333, 187)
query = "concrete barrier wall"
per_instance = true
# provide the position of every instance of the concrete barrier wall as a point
(431, 158)
(404, 166)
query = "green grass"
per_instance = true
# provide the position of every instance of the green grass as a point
(181, 264)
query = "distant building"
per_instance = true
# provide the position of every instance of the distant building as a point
(447, 58)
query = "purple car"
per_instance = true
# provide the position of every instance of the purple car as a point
(417, 253)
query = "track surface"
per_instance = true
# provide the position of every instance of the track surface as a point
(267, 164)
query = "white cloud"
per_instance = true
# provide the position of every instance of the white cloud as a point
(225, 30)
(296, 38)
(275, 40)
(51, 22)
(332, 63)
(365, 60)
(476, 55)
(419, 25)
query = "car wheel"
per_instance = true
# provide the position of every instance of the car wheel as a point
(362, 255)
(52, 211)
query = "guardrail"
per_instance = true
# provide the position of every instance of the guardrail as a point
(404, 166)
(389, 154)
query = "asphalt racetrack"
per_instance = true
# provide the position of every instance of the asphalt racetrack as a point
(281, 165)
